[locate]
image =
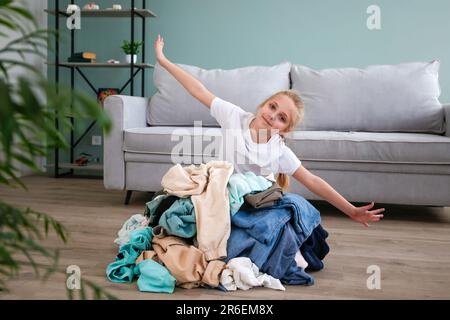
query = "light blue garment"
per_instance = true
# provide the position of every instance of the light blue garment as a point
(123, 269)
(153, 277)
(240, 185)
(179, 219)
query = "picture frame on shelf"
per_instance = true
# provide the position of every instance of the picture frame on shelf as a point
(103, 93)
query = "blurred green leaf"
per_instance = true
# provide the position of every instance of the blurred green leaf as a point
(26, 131)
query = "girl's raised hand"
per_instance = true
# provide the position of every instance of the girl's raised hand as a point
(364, 215)
(159, 45)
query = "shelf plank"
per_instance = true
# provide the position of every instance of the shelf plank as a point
(92, 167)
(104, 13)
(101, 65)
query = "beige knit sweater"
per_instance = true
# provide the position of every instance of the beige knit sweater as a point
(207, 186)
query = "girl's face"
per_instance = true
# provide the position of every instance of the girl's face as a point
(276, 114)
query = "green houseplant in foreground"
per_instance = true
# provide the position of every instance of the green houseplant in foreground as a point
(26, 132)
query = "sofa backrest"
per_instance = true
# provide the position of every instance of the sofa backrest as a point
(246, 87)
(403, 97)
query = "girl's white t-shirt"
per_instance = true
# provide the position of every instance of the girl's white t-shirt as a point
(238, 147)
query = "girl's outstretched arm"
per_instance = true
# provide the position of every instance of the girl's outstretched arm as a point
(318, 186)
(191, 84)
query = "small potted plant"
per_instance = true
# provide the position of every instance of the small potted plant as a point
(131, 49)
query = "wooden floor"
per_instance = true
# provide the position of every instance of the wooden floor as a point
(411, 246)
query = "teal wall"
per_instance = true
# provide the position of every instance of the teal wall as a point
(235, 33)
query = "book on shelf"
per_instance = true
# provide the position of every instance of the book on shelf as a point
(85, 55)
(78, 59)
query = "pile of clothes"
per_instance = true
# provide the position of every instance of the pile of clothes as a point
(208, 227)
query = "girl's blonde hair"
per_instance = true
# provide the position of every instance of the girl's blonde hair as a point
(282, 178)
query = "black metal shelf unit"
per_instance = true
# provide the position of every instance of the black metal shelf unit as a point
(135, 68)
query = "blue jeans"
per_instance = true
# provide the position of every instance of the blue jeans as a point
(315, 248)
(270, 237)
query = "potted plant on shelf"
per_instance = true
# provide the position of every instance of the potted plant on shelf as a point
(131, 50)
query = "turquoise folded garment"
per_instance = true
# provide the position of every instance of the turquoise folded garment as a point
(240, 185)
(153, 277)
(179, 219)
(123, 269)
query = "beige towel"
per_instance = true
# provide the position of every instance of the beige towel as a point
(207, 186)
(185, 181)
(187, 263)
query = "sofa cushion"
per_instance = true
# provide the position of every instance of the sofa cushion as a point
(167, 140)
(384, 98)
(327, 146)
(370, 147)
(246, 87)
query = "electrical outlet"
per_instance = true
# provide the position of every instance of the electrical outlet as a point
(96, 140)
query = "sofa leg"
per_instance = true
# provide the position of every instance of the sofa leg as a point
(128, 196)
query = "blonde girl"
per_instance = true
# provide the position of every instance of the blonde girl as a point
(263, 141)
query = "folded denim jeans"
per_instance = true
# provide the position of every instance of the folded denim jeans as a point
(271, 237)
(315, 248)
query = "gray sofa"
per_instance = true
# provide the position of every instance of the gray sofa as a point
(375, 134)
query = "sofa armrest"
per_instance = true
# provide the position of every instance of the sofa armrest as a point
(447, 119)
(125, 112)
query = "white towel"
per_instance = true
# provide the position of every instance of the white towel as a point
(242, 273)
(135, 222)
